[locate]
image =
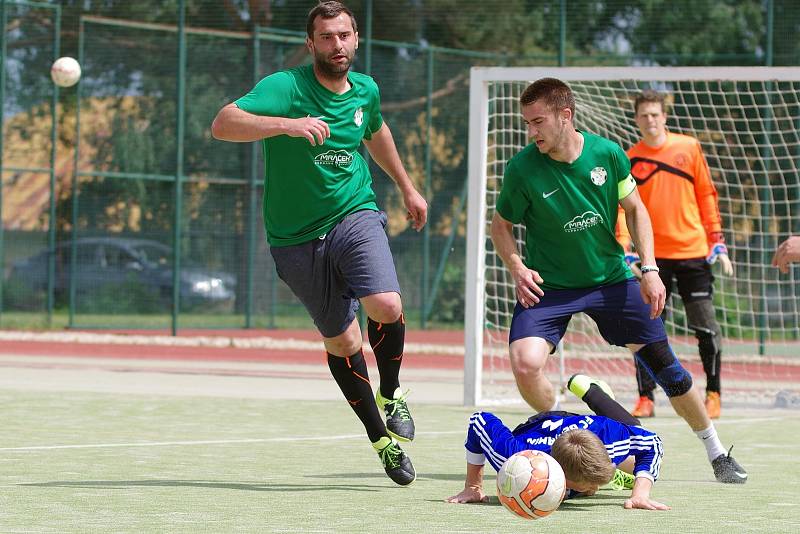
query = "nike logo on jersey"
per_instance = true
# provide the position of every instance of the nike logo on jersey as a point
(545, 195)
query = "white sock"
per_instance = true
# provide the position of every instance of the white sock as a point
(711, 441)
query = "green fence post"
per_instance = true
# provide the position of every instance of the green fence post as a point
(251, 205)
(764, 193)
(176, 267)
(51, 223)
(368, 39)
(562, 34)
(2, 135)
(75, 190)
(426, 191)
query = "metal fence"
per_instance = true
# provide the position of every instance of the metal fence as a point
(120, 211)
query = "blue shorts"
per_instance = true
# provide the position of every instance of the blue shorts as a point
(619, 311)
(329, 274)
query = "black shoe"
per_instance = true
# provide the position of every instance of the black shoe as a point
(727, 470)
(395, 462)
(398, 419)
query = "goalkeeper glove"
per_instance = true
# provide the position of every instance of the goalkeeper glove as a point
(633, 261)
(631, 258)
(719, 252)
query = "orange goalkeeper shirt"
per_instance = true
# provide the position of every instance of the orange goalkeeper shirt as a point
(675, 185)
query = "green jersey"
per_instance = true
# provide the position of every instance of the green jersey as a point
(308, 189)
(570, 212)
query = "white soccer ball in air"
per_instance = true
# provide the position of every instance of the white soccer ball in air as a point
(531, 484)
(65, 72)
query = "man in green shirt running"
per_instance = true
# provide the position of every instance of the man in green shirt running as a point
(325, 232)
(564, 188)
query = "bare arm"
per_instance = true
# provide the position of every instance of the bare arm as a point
(526, 280)
(641, 230)
(383, 150)
(473, 487)
(237, 125)
(640, 496)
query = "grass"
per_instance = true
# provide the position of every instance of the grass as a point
(128, 463)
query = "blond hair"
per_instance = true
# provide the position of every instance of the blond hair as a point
(583, 457)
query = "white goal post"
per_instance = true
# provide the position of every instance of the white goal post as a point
(748, 122)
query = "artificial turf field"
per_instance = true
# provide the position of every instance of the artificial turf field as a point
(73, 461)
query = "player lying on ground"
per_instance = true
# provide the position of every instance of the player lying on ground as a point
(587, 447)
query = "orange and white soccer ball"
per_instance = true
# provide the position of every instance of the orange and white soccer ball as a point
(531, 484)
(65, 71)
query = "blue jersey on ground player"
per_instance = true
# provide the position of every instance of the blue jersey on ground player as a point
(587, 446)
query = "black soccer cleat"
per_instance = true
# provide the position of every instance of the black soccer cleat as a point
(395, 461)
(399, 423)
(727, 470)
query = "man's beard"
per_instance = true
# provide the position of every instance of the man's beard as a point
(331, 70)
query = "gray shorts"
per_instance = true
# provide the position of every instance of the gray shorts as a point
(329, 274)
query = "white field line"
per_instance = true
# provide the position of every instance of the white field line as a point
(207, 442)
(675, 422)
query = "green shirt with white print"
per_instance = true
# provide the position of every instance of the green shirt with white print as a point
(569, 211)
(308, 189)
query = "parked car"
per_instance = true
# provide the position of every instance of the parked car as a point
(118, 261)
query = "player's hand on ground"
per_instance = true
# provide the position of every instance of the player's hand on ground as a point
(527, 286)
(787, 252)
(642, 503)
(468, 495)
(312, 128)
(416, 209)
(653, 293)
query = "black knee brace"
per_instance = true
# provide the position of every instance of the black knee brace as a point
(665, 368)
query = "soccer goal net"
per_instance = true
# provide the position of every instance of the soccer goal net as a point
(748, 122)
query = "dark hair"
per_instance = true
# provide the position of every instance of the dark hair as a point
(328, 10)
(649, 96)
(556, 94)
(583, 457)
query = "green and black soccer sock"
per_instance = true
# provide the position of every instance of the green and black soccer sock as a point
(352, 377)
(387, 341)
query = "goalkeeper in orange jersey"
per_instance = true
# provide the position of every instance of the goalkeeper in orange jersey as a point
(675, 184)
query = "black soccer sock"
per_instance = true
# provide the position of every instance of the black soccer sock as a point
(644, 380)
(601, 404)
(387, 340)
(353, 379)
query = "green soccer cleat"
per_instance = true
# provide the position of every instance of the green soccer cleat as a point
(622, 480)
(398, 419)
(580, 384)
(395, 461)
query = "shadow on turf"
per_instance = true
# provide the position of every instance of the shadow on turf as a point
(573, 505)
(256, 486)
